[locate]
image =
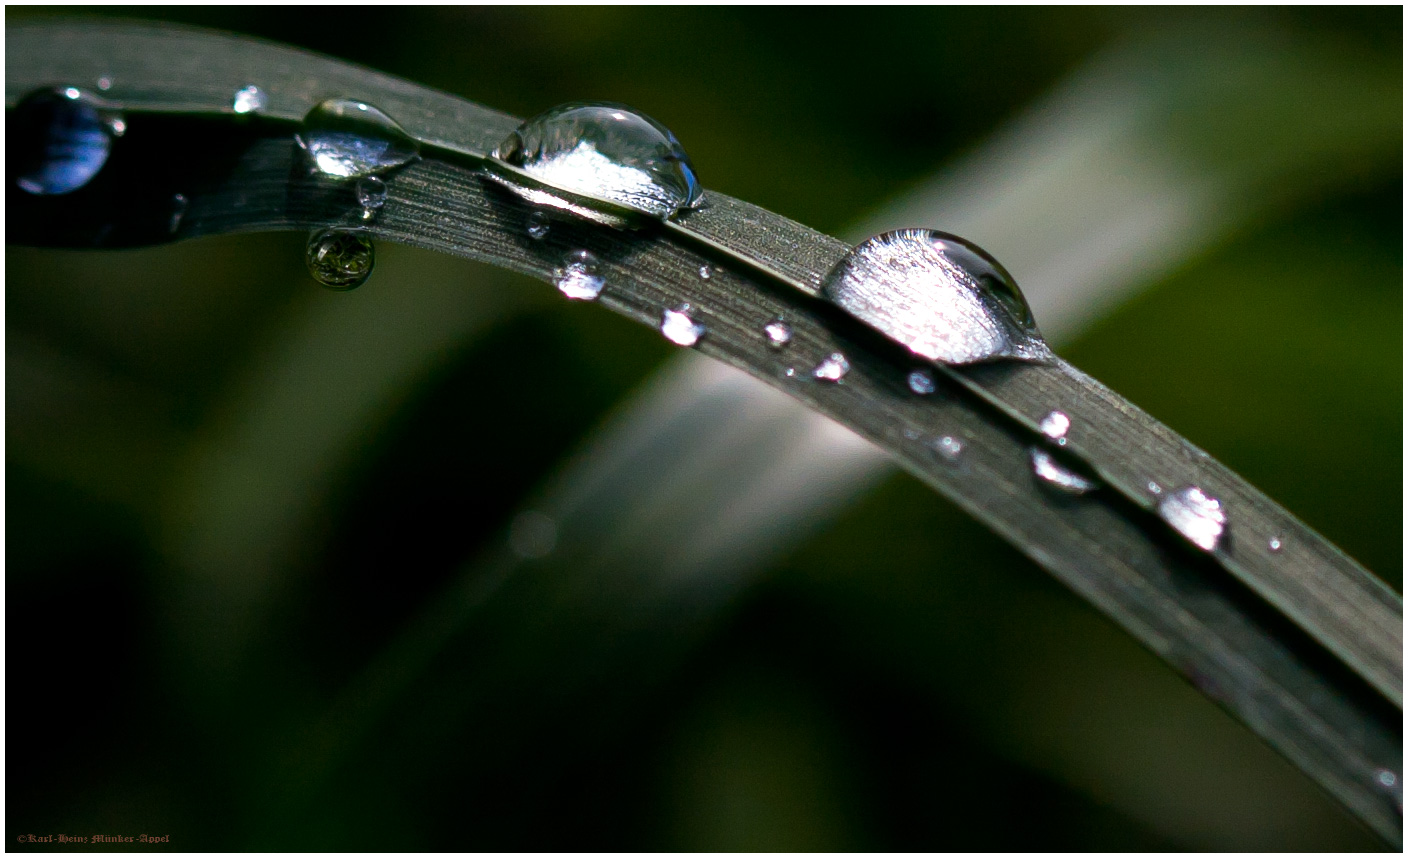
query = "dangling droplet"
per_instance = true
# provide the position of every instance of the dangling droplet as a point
(1054, 426)
(949, 447)
(921, 381)
(346, 139)
(538, 226)
(938, 295)
(250, 99)
(579, 278)
(371, 193)
(1195, 515)
(778, 333)
(1274, 544)
(1058, 476)
(834, 368)
(340, 259)
(178, 211)
(679, 328)
(705, 272)
(604, 151)
(62, 139)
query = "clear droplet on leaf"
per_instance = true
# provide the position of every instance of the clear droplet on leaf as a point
(538, 226)
(680, 328)
(949, 447)
(778, 333)
(705, 272)
(603, 151)
(371, 193)
(938, 295)
(250, 99)
(833, 368)
(340, 259)
(347, 139)
(1055, 425)
(1274, 544)
(921, 381)
(1056, 475)
(1194, 514)
(579, 278)
(61, 139)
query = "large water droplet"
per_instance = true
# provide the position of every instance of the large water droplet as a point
(778, 333)
(833, 368)
(938, 295)
(340, 259)
(250, 99)
(579, 278)
(680, 328)
(921, 381)
(62, 138)
(1057, 475)
(347, 139)
(604, 151)
(1194, 514)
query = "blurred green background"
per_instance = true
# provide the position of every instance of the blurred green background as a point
(237, 503)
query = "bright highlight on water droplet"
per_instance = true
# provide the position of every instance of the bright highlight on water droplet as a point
(705, 272)
(948, 447)
(250, 99)
(578, 278)
(538, 226)
(1058, 476)
(105, 83)
(605, 151)
(347, 139)
(834, 368)
(1055, 425)
(1274, 544)
(1195, 515)
(679, 328)
(371, 192)
(340, 259)
(940, 296)
(921, 381)
(61, 139)
(778, 332)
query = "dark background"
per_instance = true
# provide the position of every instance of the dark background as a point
(903, 680)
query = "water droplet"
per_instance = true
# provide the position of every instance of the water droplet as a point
(911, 434)
(340, 259)
(1058, 476)
(1389, 780)
(63, 139)
(791, 372)
(1195, 515)
(938, 295)
(371, 193)
(1274, 544)
(250, 99)
(579, 277)
(1154, 488)
(1054, 426)
(538, 226)
(705, 272)
(833, 368)
(605, 151)
(679, 328)
(532, 535)
(778, 332)
(921, 381)
(105, 83)
(346, 139)
(948, 447)
(178, 211)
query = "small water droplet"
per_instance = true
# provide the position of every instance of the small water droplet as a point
(178, 211)
(532, 535)
(778, 333)
(1274, 544)
(1196, 515)
(340, 259)
(1154, 488)
(938, 295)
(105, 83)
(679, 328)
(948, 447)
(63, 139)
(1058, 476)
(371, 193)
(579, 277)
(1390, 781)
(250, 99)
(833, 368)
(605, 151)
(705, 272)
(1054, 426)
(347, 139)
(911, 434)
(538, 226)
(791, 372)
(921, 381)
